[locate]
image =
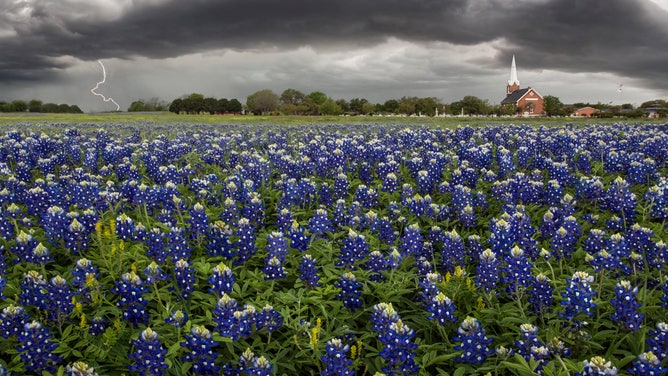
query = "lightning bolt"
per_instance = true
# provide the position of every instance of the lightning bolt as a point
(104, 79)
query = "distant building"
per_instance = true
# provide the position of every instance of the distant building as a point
(586, 112)
(654, 111)
(525, 102)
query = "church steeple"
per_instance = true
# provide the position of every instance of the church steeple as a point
(513, 82)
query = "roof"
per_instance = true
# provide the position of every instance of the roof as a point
(515, 96)
(586, 108)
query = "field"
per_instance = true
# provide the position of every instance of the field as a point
(171, 245)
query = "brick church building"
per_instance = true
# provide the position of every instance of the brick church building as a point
(525, 102)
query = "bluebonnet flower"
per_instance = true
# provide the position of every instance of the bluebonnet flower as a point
(273, 269)
(222, 281)
(277, 246)
(224, 316)
(390, 183)
(298, 240)
(149, 355)
(200, 353)
(79, 369)
(59, 297)
(595, 241)
(98, 325)
(647, 364)
(657, 341)
(243, 321)
(178, 245)
(578, 296)
(76, 237)
(319, 224)
(218, 240)
(185, 278)
(394, 258)
(252, 365)
(12, 321)
(474, 343)
(24, 246)
(530, 347)
(270, 319)
(37, 348)
(626, 306)
(33, 290)
(254, 210)
(341, 186)
(620, 200)
(518, 271)
(398, 350)
(284, 220)
(487, 271)
(468, 217)
(501, 239)
(452, 251)
(246, 242)
(124, 227)
(131, 288)
(178, 318)
(335, 361)
(350, 291)
(428, 287)
(199, 220)
(540, 294)
(54, 223)
(355, 247)
(309, 271)
(411, 242)
(442, 309)
(40, 255)
(154, 273)
(231, 212)
(598, 366)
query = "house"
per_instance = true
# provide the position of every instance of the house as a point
(523, 102)
(586, 112)
(654, 111)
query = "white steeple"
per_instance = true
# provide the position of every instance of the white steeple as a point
(513, 74)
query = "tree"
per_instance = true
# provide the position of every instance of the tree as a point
(193, 103)
(19, 106)
(74, 109)
(292, 102)
(552, 106)
(176, 106)
(426, 106)
(262, 102)
(356, 105)
(136, 106)
(210, 105)
(473, 105)
(318, 97)
(407, 105)
(233, 105)
(221, 105)
(391, 106)
(35, 106)
(368, 108)
(329, 107)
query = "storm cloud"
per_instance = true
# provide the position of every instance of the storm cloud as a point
(43, 41)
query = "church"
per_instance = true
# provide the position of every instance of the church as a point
(525, 102)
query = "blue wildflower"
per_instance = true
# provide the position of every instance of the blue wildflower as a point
(149, 355)
(309, 271)
(474, 344)
(200, 353)
(335, 361)
(37, 348)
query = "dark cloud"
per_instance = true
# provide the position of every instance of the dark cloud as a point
(622, 37)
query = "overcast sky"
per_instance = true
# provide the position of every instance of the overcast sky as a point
(577, 50)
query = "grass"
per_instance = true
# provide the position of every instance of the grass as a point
(14, 119)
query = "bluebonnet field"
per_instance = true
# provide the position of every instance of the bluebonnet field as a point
(334, 250)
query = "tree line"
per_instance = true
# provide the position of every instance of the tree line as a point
(295, 102)
(36, 105)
